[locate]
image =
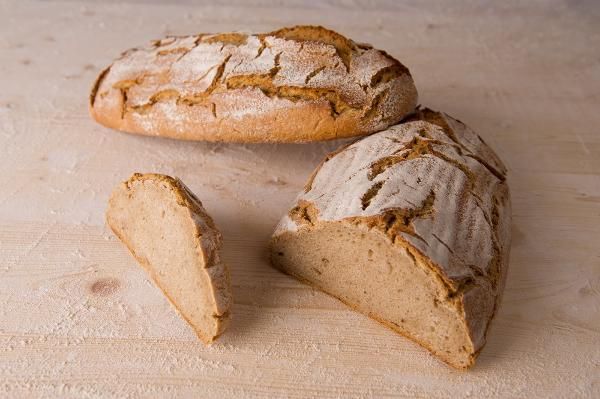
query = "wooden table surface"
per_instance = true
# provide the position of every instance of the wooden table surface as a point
(80, 319)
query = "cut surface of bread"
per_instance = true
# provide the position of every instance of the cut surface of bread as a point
(410, 226)
(173, 238)
(297, 84)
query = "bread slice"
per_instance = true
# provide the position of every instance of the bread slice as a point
(170, 234)
(298, 84)
(410, 226)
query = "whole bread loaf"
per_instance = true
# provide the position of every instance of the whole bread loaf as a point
(173, 238)
(297, 84)
(410, 226)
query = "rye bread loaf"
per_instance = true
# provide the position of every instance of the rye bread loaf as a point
(298, 84)
(410, 226)
(173, 238)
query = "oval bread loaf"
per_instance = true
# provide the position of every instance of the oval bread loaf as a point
(168, 231)
(410, 226)
(298, 84)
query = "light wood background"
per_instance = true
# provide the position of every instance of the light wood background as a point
(79, 318)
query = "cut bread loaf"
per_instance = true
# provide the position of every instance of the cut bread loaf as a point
(170, 234)
(297, 84)
(410, 226)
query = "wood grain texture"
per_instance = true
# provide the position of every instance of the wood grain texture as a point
(80, 319)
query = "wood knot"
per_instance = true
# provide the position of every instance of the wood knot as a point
(105, 286)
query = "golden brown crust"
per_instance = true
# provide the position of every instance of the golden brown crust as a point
(297, 84)
(186, 198)
(434, 188)
(96, 86)
(204, 226)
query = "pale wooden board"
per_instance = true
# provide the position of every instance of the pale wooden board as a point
(79, 318)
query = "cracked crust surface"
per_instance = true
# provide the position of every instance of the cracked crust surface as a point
(168, 231)
(297, 84)
(433, 187)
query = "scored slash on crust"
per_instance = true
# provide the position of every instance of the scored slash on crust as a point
(423, 186)
(344, 89)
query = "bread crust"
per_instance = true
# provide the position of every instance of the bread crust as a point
(433, 187)
(208, 242)
(299, 84)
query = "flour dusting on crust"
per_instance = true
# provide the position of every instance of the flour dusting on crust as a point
(234, 86)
